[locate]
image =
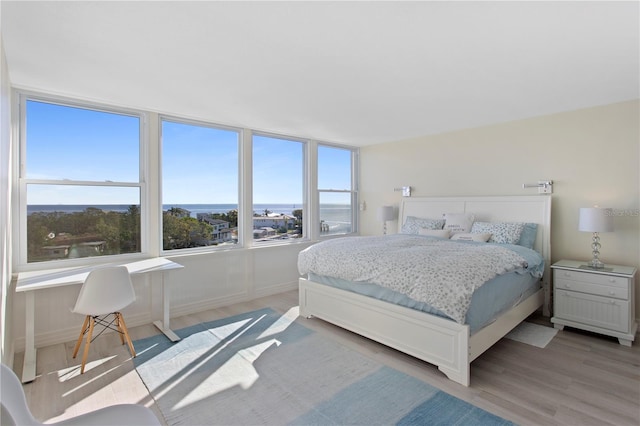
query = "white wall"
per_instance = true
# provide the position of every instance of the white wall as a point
(592, 155)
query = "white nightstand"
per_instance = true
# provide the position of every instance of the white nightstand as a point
(598, 300)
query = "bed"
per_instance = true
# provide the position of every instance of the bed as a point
(448, 344)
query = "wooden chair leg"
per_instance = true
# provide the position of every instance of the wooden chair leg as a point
(121, 332)
(87, 344)
(126, 334)
(84, 328)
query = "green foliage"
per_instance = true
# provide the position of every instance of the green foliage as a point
(96, 232)
(184, 232)
(107, 232)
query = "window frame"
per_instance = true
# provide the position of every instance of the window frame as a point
(306, 147)
(355, 205)
(21, 181)
(179, 120)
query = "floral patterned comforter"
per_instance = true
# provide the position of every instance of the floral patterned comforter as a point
(442, 273)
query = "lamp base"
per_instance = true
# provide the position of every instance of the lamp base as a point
(595, 264)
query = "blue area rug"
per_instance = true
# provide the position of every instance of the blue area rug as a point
(264, 368)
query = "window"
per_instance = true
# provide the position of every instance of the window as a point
(199, 185)
(278, 182)
(336, 192)
(81, 185)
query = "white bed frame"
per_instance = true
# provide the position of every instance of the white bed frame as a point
(433, 339)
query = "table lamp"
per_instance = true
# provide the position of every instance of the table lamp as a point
(385, 213)
(595, 219)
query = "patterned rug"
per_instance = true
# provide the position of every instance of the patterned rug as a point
(264, 368)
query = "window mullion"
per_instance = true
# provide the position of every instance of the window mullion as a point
(312, 222)
(81, 182)
(245, 211)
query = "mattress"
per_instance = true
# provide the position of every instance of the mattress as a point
(487, 303)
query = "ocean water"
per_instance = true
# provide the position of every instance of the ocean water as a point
(332, 214)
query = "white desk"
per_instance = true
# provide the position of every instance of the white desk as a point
(29, 282)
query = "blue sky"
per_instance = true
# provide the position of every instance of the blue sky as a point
(199, 163)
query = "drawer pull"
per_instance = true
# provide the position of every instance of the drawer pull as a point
(612, 293)
(612, 280)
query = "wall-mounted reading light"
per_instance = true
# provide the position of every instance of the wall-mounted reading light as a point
(406, 190)
(544, 186)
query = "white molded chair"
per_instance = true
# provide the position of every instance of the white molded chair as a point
(15, 411)
(104, 293)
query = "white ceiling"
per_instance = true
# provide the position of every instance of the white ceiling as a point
(357, 73)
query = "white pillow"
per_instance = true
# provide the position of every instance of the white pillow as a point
(440, 233)
(458, 222)
(481, 238)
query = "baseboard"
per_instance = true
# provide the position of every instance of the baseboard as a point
(280, 288)
(243, 296)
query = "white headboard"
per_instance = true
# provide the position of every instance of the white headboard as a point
(518, 208)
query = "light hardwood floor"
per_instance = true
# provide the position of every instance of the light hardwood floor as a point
(578, 379)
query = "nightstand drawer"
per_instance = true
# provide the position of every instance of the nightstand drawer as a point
(591, 288)
(587, 277)
(602, 312)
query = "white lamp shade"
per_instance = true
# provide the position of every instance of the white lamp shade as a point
(385, 213)
(596, 219)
